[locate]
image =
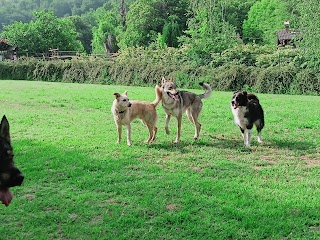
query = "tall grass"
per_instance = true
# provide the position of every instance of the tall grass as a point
(80, 184)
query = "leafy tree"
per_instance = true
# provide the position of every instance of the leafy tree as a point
(104, 35)
(207, 31)
(84, 32)
(44, 32)
(147, 18)
(309, 26)
(264, 19)
(21, 10)
(235, 12)
(171, 31)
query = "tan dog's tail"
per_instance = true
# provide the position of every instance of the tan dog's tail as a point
(207, 92)
(158, 92)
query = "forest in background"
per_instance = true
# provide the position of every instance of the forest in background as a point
(195, 36)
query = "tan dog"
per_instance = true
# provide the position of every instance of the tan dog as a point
(125, 111)
(177, 102)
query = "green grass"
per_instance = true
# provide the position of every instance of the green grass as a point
(80, 184)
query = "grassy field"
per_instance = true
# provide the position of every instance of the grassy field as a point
(80, 184)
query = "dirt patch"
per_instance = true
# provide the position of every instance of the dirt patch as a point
(172, 207)
(311, 160)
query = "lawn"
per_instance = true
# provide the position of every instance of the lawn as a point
(80, 184)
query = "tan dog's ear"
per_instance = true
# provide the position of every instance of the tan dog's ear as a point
(117, 95)
(171, 79)
(126, 93)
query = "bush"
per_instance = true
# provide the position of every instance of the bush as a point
(306, 82)
(255, 69)
(275, 79)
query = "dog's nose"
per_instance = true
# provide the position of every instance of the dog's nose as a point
(129, 105)
(18, 180)
(232, 102)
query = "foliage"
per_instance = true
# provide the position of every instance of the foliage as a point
(84, 32)
(93, 70)
(207, 32)
(21, 10)
(106, 31)
(235, 12)
(265, 18)
(310, 25)
(44, 32)
(254, 67)
(146, 19)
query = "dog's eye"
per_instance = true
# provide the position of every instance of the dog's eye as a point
(124, 100)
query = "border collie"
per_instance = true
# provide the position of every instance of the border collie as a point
(247, 112)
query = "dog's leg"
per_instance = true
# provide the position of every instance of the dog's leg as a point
(259, 128)
(247, 137)
(242, 132)
(150, 129)
(179, 118)
(259, 136)
(119, 128)
(155, 130)
(168, 116)
(129, 135)
(193, 117)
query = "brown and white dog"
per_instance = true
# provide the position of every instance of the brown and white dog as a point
(247, 111)
(176, 103)
(125, 111)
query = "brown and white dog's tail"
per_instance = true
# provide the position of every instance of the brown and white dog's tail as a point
(158, 92)
(208, 90)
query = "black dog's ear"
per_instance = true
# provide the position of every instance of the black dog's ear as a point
(4, 129)
(244, 93)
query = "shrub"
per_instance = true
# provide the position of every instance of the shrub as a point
(255, 70)
(275, 79)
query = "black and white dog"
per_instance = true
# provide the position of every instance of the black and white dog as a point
(247, 112)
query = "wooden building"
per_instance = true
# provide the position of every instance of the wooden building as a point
(7, 51)
(287, 36)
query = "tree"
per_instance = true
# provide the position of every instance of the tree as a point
(106, 32)
(84, 32)
(208, 32)
(44, 32)
(309, 26)
(235, 12)
(147, 18)
(264, 19)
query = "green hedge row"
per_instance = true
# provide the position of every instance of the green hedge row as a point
(254, 69)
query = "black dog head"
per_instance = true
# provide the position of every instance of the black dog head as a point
(10, 176)
(239, 99)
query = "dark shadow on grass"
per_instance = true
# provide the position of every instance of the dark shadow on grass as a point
(188, 146)
(292, 145)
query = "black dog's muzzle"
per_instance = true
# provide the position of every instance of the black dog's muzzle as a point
(11, 179)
